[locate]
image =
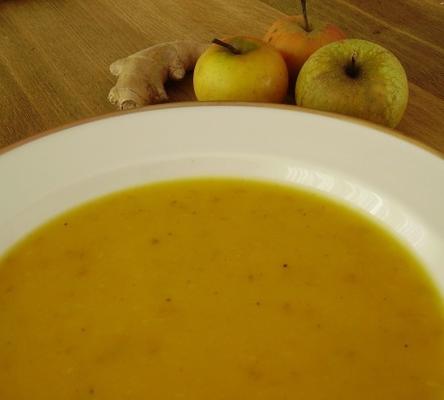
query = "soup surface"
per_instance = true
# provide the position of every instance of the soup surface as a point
(217, 289)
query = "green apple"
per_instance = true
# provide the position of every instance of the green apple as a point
(354, 77)
(240, 69)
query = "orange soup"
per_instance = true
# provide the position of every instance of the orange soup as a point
(217, 289)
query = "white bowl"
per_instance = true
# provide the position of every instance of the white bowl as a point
(393, 180)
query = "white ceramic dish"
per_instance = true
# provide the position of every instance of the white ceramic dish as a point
(395, 181)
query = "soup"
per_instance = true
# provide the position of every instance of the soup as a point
(217, 289)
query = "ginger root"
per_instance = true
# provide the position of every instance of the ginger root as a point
(142, 75)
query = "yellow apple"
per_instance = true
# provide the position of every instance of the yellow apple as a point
(354, 77)
(240, 69)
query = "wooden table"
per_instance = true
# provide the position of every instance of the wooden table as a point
(55, 54)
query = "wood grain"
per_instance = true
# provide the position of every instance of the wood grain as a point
(55, 54)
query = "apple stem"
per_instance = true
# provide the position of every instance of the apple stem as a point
(304, 12)
(352, 69)
(227, 46)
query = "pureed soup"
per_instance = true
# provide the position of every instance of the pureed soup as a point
(217, 289)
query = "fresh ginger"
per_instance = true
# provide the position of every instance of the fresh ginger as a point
(142, 75)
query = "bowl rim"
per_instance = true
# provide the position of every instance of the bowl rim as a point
(355, 154)
(195, 104)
